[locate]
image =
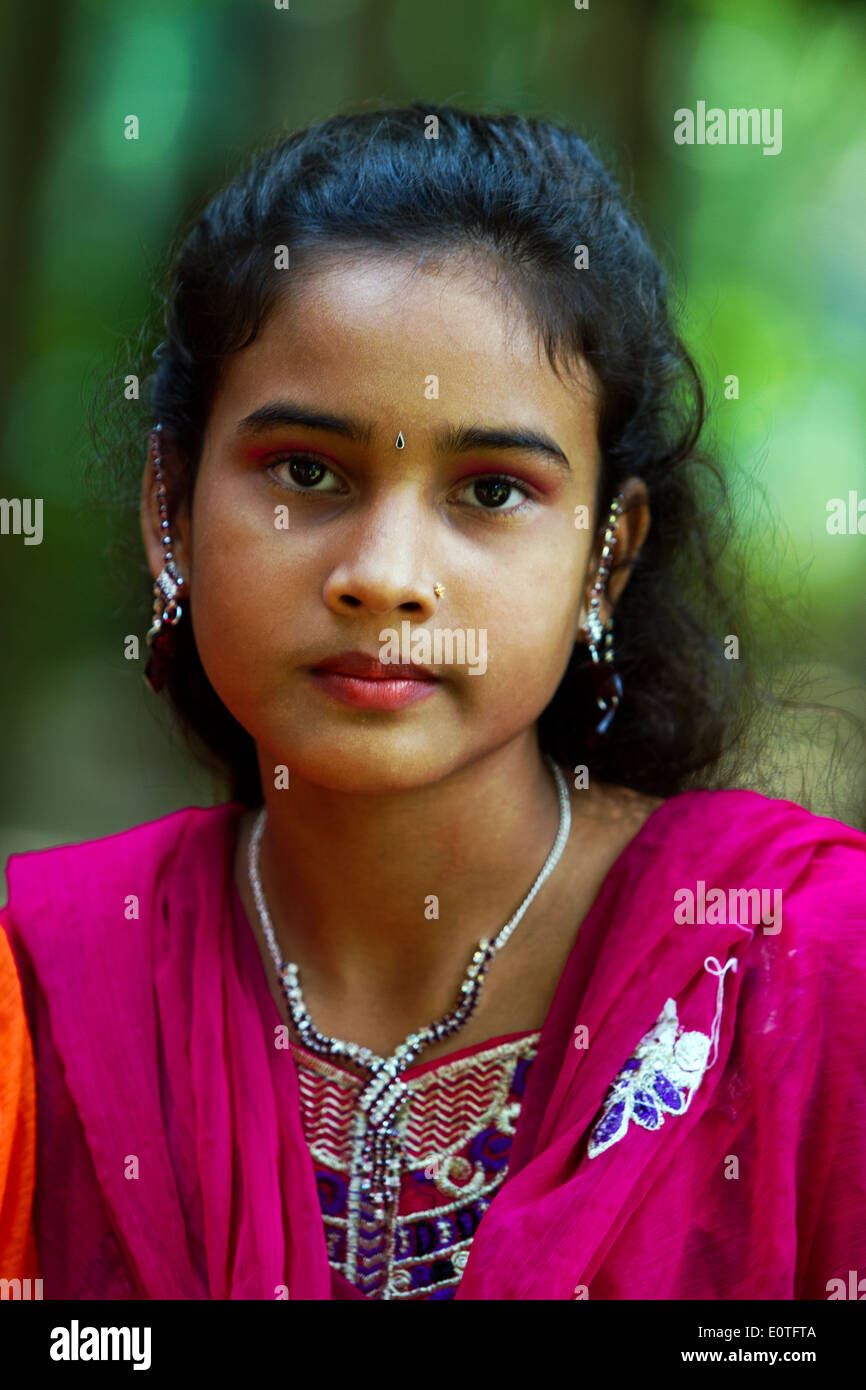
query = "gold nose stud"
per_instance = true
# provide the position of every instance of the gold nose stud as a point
(438, 590)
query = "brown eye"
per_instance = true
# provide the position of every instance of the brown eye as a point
(492, 493)
(305, 472)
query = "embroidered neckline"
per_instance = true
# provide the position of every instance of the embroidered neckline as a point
(491, 1047)
(456, 1127)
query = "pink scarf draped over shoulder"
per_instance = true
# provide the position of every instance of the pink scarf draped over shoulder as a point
(694, 1126)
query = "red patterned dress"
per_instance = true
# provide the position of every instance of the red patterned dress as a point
(456, 1131)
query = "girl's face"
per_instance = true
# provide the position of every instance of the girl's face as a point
(313, 535)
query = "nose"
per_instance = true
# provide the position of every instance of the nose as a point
(382, 565)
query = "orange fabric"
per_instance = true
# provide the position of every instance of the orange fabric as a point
(17, 1126)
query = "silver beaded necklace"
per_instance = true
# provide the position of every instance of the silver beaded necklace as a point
(380, 1102)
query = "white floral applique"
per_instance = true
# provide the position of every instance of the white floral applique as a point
(662, 1074)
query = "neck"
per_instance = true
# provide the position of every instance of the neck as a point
(370, 893)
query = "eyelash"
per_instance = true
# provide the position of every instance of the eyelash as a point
(467, 482)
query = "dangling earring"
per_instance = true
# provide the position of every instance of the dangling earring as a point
(167, 590)
(606, 680)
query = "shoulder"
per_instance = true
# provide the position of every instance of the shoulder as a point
(151, 838)
(806, 960)
(815, 863)
(741, 807)
(736, 839)
(749, 830)
(796, 881)
(792, 885)
(49, 886)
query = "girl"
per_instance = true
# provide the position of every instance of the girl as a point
(480, 985)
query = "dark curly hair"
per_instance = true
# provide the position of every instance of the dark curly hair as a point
(522, 193)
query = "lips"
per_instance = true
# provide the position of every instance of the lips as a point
(369, 668)
(362, 682)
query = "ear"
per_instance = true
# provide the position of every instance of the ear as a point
(632, 528)
(177, 510)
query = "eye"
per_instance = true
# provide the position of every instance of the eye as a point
(302, 471)
(306, 473)
(493, 491)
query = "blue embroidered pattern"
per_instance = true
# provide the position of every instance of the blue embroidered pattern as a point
(659, 1078)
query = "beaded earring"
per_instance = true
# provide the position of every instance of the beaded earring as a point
(167, 589)
(606, 680)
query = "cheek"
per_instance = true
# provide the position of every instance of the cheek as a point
(531, 635)
(540, 604)
(240, 558)
(235, 599)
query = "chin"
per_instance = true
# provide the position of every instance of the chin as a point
(367, 770)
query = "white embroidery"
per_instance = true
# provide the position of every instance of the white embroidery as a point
(662, 1074)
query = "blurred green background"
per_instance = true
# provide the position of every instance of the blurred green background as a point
(765, 254)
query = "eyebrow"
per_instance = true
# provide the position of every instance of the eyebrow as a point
(454, 439)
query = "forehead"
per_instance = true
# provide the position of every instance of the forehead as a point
(368, 333)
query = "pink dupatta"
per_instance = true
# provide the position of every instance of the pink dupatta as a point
(171, 1163)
